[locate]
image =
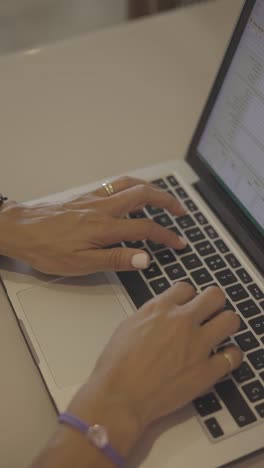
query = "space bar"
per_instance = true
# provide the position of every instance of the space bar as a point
(235, 403)
(136, 287)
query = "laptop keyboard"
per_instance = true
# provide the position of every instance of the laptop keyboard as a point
(236, 402)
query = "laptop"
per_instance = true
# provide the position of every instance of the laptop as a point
(67, 321)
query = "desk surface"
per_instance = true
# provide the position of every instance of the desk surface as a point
(82, 110)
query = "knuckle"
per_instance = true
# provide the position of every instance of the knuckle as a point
(115, 258)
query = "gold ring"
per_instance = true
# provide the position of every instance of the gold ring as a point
(108, 188)
(229, 360)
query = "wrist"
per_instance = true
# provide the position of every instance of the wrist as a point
(111, 412)
(15, 239)
(71, 448)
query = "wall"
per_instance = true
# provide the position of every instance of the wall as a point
(28, 23)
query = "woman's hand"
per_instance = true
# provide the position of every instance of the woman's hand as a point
(70, 238)
(159, 360)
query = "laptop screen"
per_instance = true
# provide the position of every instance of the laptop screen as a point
(232, 143)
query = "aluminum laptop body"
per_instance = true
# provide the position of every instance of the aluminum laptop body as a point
(67, 321)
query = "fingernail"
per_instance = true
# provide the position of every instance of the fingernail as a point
(184, 243)
(184, 209)
(140, 261)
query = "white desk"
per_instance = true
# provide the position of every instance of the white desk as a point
(82, 110)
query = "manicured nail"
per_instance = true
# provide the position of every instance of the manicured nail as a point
(140, 261)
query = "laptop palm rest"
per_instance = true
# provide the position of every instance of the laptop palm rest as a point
(72, 320)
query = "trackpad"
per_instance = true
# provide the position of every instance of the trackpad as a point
(72, 320)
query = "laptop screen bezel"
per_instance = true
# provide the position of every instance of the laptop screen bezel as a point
(232, 216)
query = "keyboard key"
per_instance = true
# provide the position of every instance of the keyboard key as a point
(152, 271)
(243, 326)
(175, 230)
(207, 404)
(191, 205)
(201, 218)
(232, 260)
(185, 222)
(257, 359)
(164, 220)
(191, 262)
(247, 341)
(154, 210)
(182, 252)
(260, 409)
(214, 428)
(256, 291)
(243, 373)
(194, 235)
(237, 292)
(244, 276)
(160, 285)
(226, 277)
(180, 192)
(221, 246)
(136, 287)
(201, 276)
(211, 232)
(235, 403)
(215, 263)
(188, 280)
(165, 257)
(160, 183)
(148, 252)
(138, 215)
(154, 247)
(209, 286)
(254, 391)
(248, 308)
(172, 181)
(262, 305)
(229, 306)
(135, 244)
(205, 248)
(175, 272)
(262, 375)
(258, 324)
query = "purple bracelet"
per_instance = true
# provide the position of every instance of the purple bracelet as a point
(97, 435)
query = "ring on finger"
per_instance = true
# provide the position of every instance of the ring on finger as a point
(108, 188)
(229, 359)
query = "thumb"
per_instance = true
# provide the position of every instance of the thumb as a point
(122, 259)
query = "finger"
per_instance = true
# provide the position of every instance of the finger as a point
(179, 294)
(140, 229)
(208, 303)
(222, 363)
(116, 259)
(215, 368)
(141, 195)
(216, 330)
(123, 183)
